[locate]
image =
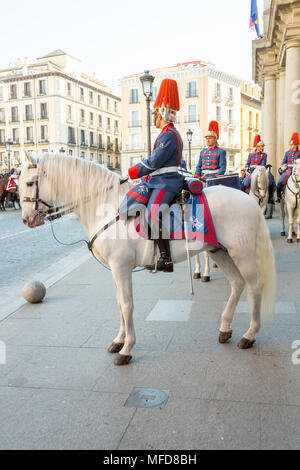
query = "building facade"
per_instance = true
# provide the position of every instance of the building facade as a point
(51, 106)
(250, 117)
(276, 67)
(206, 94)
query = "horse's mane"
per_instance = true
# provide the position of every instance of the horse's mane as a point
(85, 183)
(254, 177)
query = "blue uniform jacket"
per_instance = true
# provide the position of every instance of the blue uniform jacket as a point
(290, 157)
(256, 159)
(213, 160)
(167, 153)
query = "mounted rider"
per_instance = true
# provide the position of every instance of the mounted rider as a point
(212, 160)
(287, 164)
(255, 159)
(158, 191)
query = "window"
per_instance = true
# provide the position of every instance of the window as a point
(91, 139)
(44, 113)
(27, 89)
(231, 160)
(82, 136)
(108, 161)
(81, 94)
(15, 136)
(116, 107)
(219, 114)
(69, 88)
(28, 113)
(192, 90)
(82, 155)
(108, 124)
(154, 93)
(29, 134)
(92, 118)
(69, 112)
(230, 94)
(230, 136)
(71, 135)
(92, 156)
(2, 115)
(135, 119)
(70, 153)
(230, 116)
(42, 87)
(44, 133)
(99, 101)
(14, 114)
(91, 95)
(107, 104)
(82, 116)
(117, 163)
(257, 121)
(250, 119)
(192, 113)
(13, 92)
(218, 90)
(100, 158)
(100, 120)
(100, 142)
(116, 145)
(1, 93)
(134, 96)
(116, 126)
(2, 136)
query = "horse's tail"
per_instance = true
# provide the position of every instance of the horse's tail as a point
(265, 261)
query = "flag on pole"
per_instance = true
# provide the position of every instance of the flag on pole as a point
(254, 21)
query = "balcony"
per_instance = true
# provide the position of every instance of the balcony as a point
(83, 144)
(2, 144)
(116, 131)
(93, 145)
(100, 127)
(217, 98)
(13, 96)
(27, 94)
(29, 142)
(28, 117)
(14, 119)
(16, 141)
(43, 141)
(192, 95)
(110, 147)
(135, 124)
(108, 130)
(101, 147)
(71, 142)
(250, 126)
(82, 122)
(92, 124)
(43, 117)
(42, 93)
(2, 121)
(230, 101)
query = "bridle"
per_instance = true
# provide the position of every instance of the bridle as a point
(258, 196)
(297, 186)
(36, 199)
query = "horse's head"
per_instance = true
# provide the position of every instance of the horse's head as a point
(296, 171)
(260, 180)
(34, 193)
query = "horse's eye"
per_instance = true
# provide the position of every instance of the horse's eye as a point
(30, 184)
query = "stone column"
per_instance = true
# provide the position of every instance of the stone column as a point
(269, 117)
(280, 112)
(292, 88)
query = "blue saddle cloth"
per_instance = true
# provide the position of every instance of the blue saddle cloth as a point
(199, 220)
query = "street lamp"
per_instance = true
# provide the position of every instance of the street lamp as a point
(9, 144)
(189, 136)
(147, 81)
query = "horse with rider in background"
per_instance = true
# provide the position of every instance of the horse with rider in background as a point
(290, 204)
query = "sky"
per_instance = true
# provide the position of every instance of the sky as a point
(114, 38)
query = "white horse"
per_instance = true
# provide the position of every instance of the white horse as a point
(206, 274)
(260, 187)
(246, 256)
(290, 203)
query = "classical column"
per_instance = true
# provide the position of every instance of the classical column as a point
(292, 88)
(269, 117)
(280, 119)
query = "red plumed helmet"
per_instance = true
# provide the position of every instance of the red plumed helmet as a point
(295, 139)
(257, 141)
(168, 96)
(213, 129)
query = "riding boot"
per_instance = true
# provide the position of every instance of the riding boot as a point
(165, 261)
(279, 192)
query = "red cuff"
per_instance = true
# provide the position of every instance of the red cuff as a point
(197, 175)
(133, 172)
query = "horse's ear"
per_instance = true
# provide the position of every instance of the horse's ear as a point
(29, 157)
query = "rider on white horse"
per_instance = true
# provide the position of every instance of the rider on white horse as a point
(212, 160)
(287, 164)
(256, 158)
(165, 182)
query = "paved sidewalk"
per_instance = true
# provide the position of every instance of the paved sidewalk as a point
(60, 389)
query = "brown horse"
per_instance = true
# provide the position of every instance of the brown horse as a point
(3, 192)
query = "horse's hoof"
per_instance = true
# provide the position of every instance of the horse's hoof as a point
(122, 360)
(283, 234)
(224, 336)
(289, 240)
(205, 279)
(115, 348)
(197, 276)
(245, 343)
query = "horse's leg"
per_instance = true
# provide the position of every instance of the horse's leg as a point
(248, 269)
(298, 224)
(123, 283)
(237, 283)
(206, 276)
(197, 273)
(290, 211)
(282, 209)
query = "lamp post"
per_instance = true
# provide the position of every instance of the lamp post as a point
(189, 136)
(9, 149)
(147, 81)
